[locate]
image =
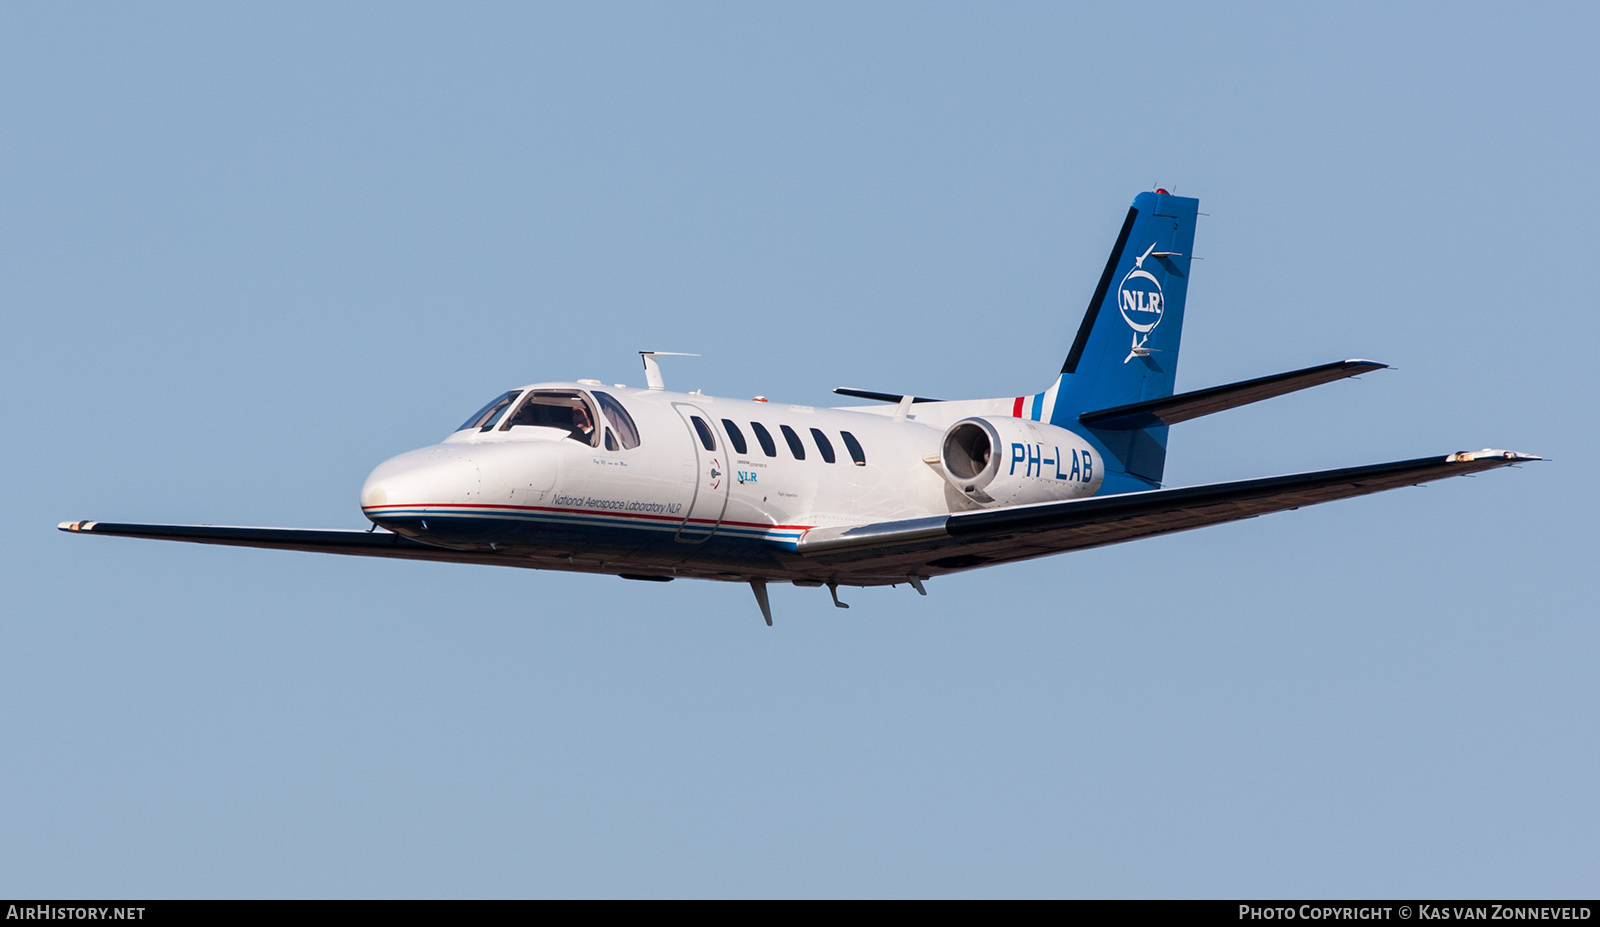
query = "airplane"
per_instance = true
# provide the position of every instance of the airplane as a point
(649, 484)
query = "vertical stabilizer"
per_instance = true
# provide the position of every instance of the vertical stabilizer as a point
(1126, 349)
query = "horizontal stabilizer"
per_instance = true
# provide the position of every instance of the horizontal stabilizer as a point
(878, 397)
(1171, 410)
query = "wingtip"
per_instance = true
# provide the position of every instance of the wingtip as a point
(74, 526)
(1489, 453)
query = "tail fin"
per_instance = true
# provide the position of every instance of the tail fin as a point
(1126, 350)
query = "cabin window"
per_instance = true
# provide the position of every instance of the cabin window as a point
(704, 431)
(627, 433)
(765, 437)
(735, 436)
(854, 447)
(823, 444)
(562, 409)
(486, 417)
(795, 447)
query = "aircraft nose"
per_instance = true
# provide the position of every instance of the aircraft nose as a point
(417, 480)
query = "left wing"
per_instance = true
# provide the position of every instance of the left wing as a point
(945, 543)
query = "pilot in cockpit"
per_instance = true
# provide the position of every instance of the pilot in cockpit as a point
(581, 423)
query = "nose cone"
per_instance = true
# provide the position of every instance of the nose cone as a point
(416, 481)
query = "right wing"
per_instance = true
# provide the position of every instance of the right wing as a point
(314, 540)
(945, 543)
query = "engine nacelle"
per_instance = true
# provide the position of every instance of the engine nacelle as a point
(1011, 461)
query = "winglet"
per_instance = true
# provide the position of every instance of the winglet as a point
(1490, 453)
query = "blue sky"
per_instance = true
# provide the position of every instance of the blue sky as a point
(251, 251)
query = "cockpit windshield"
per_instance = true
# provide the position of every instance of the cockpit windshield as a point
(563, 409)
(486, 417)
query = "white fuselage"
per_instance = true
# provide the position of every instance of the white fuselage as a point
(679, 502)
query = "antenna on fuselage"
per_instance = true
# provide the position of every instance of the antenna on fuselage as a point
(652, 370)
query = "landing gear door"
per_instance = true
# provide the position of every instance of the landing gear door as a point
(710, 476)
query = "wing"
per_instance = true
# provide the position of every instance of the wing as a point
(946, 543)
(315, 540)
(891, 551)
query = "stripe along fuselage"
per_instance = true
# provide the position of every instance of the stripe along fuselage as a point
(664, 484)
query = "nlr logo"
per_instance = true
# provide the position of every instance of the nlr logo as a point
(1139, 298)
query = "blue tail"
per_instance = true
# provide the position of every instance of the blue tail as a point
(1127, 346)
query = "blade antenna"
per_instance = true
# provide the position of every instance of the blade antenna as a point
(759, 587)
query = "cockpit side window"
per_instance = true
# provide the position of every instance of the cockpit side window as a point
(486, 417)
(562, 409)
(619, 419)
